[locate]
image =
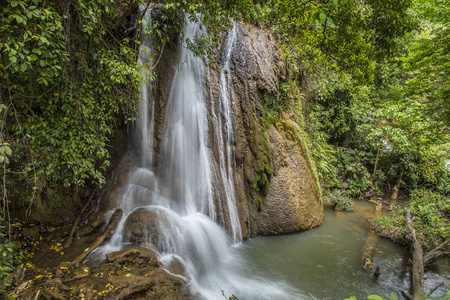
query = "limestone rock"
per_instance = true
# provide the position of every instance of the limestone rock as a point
(144, 225)
(293, 203)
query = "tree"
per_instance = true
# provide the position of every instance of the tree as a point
(429, 61)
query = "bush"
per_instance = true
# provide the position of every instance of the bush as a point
(430, 212)
(8, 258)
(341, 200)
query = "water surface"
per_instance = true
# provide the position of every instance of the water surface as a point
(326, 262)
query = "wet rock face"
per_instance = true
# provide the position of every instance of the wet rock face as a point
(96, 221)
(144, 225)
(293, 203)
(271, 197)
(255, 66)
(275, 189)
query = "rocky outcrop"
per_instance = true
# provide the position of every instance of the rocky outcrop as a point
(275, 188)
(144, 225)
(132, 273)
(293, 202)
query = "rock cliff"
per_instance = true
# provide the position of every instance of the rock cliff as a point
(275, 188)
(276, 192)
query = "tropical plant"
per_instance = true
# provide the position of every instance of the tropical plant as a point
(9, 258)
(340, 199)
(431, 214)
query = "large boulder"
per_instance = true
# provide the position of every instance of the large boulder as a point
(293, 203)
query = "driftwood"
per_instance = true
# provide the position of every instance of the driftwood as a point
(435, 288)
(417, 253)
(77, 220)
(99, 240)
(420, 261)
(434, 254)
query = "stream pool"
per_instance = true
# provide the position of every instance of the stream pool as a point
(326, 262)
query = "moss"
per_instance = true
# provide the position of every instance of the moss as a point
(263, 161)
(255, 184)
(53, 206)
(260, 203)
(264, 185)
(295, 134)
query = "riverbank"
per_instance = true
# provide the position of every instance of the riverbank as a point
(323, 262)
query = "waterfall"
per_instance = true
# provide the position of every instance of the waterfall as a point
(174, 201)
(226, 140)
(144, 126)
(185, 156)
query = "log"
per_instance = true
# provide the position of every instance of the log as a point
(417, 253)
(407, 295)
(115, 219)
(435, 288)
(434, 254)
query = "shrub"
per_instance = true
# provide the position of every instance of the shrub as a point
(430, 212)
(341, 200)
(8, 257)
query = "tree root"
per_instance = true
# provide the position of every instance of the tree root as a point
(77, 220)
(101, 238)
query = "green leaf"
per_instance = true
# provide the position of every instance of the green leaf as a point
(374, 297)
(14, 3)
(322, 17)
(393, 296)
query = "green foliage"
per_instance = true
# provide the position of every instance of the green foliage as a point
(352, 170)
(431, 214)
(340, 199)
(392, 296)
(383, 137)
(428, 60)
(344, 35)
(67, 79)
(8, 257)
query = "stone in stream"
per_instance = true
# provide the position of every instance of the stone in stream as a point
(143, 226)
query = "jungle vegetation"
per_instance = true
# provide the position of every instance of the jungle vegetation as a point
(372, 78)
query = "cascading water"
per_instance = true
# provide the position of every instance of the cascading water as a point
(175, 202)
(225, 147)
(185, 157)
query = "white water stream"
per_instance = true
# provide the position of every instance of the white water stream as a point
(177, 195)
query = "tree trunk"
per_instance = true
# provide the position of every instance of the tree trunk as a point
(417, 253)
(77, 220)
(432, 255)
(397, 187)
(376, 162)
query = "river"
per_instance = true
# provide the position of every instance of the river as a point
(326, 262)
